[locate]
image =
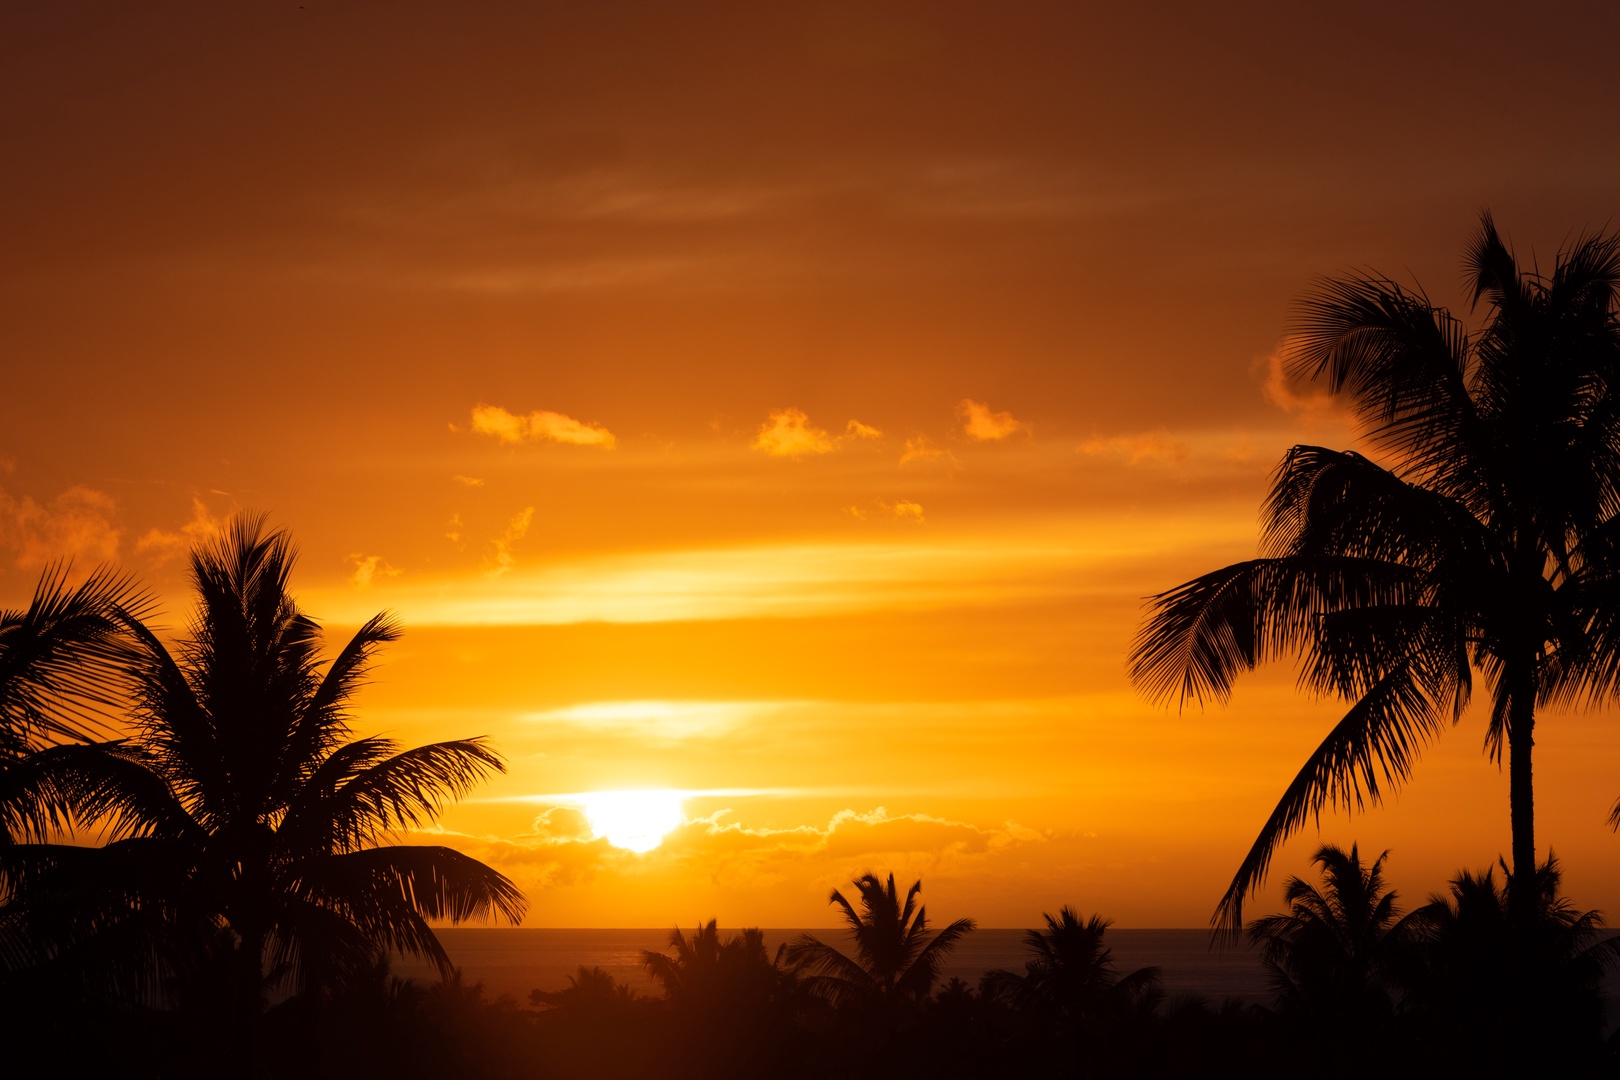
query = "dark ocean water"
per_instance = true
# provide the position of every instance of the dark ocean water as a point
(515, 962)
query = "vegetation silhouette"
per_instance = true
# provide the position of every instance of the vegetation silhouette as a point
(248, 829)
(896, 957)
(1490, 541)
(1071, 975)
(1333, 955)
(1480, 986)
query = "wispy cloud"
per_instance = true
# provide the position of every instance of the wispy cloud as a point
(369, 568)
(858, 430)
(920, 448)
(468, 481)
(542, 425)
(982, 425)
(788, 433)
(503, 544)
(77, 524)
(1156, 446)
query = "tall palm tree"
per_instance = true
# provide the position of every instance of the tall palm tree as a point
(1334, 953)
(1489, 541)
(249, 829)
(896, 957)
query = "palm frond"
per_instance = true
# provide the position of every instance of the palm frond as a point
(1202, 634)
(1374, 747)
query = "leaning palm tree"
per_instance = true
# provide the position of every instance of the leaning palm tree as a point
(249, 830)
(896, 957)
(1486, 541)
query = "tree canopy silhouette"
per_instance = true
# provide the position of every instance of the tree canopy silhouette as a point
(249, 830)
(1487, 541)
(896, 957)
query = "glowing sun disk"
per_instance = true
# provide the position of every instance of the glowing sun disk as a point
(634, 820)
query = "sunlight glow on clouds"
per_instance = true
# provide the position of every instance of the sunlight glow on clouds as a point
(78, 523)
(516, 530)
(797, 580)
(858, 430)
(541, 425)
(982, 425)
(788, 433)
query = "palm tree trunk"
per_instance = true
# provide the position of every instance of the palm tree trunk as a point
(1522, 891)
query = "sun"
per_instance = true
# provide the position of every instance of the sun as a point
(634, 820)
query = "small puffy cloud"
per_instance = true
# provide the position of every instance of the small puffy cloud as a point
(1324, 416)
(468, 481)
(1156, 446)
(920, 448)
(77, 524)
(368, 568)
(541, 425)
(516, 530)
(858, 430)
(789, 433)
(982, 425)
(905, 509)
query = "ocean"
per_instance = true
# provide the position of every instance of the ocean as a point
(514, 962)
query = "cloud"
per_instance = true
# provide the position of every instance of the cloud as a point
(467, 481)
(982, 425)
(905, 508)
(920, 448)
(788, 433)
(858, 430)
(539, 426)
(562, 848)
(369, 568)
(77, 524)
(1157, 446)
(202, 528)
(516, 530)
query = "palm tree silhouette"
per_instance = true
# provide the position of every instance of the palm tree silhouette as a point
(1333, 955)
(1071, 977)
(896, 957)
(707, 974)
(1481, 984)
(1489, 542)
(249, 829)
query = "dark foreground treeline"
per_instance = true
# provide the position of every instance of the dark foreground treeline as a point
(1456, 985)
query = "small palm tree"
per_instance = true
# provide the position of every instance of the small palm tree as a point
(1480, 981)
(1071, 978)
(705, 973)
(897, 958)
(1332, 955)
(249, 830)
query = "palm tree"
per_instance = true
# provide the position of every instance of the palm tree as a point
(1481, 983)
(896, 957)
(706, 974)
(59, 677)
(1333, 955)
(1489, 542)
(249, 829)
(1071, 977)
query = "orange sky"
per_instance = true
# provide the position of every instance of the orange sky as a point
(788, 404)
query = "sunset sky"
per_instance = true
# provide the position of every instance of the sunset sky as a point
(786, 405)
